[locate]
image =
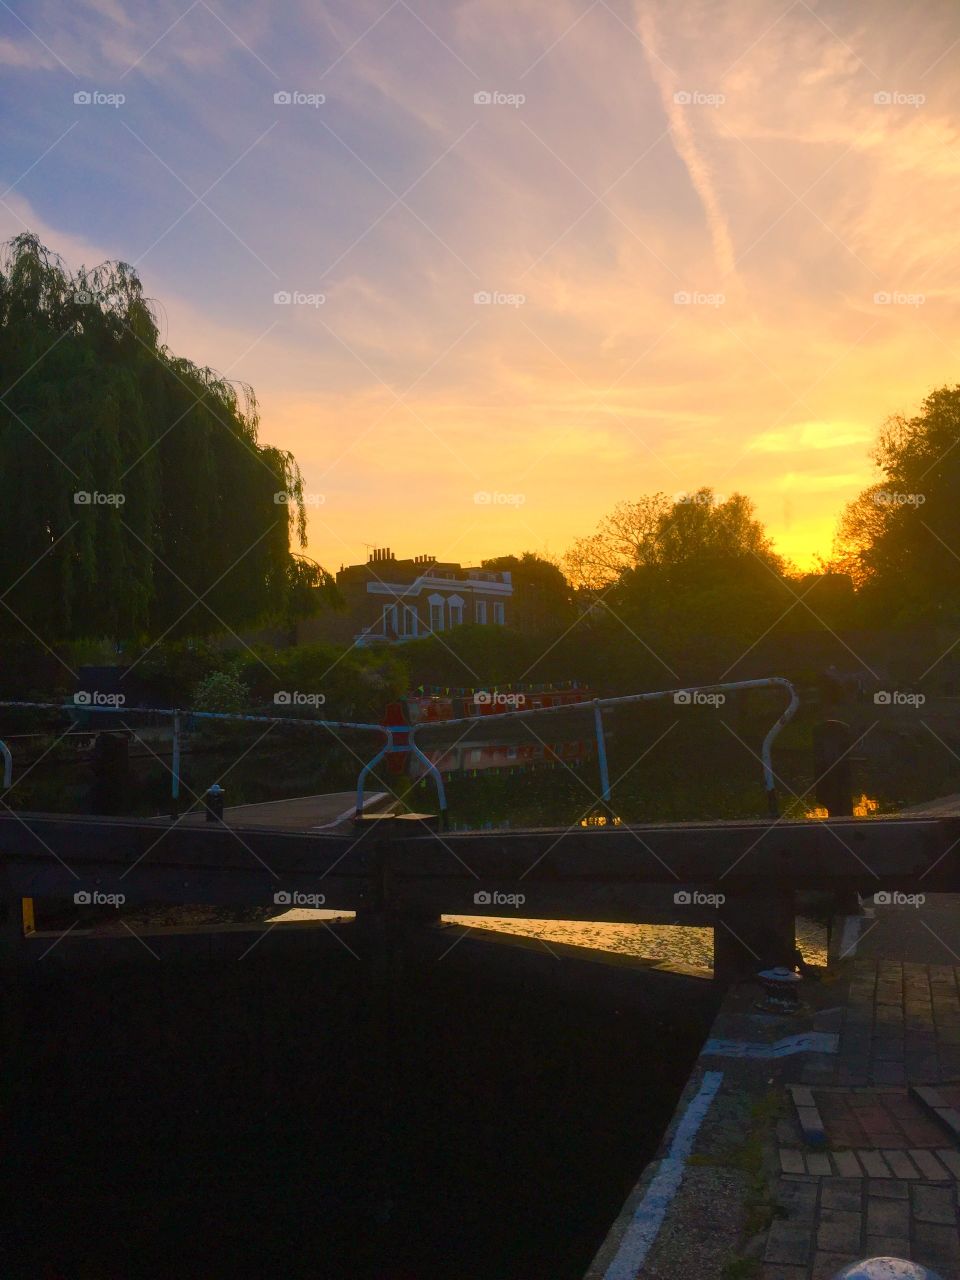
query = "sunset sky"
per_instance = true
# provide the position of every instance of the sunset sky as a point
(781, 165)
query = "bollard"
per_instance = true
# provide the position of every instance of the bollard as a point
(213, 802)
(782, 989)
(755, 925)
(832, 768)
(886, 1269)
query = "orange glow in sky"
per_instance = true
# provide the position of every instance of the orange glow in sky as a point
(552, 255)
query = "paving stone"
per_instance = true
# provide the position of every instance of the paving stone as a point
(788, 1242)
(937, 1247)
(812, 1126)
(840, 1194)
(951, 1159)
(839, 1231)
(889, 1190)
(901, 1164)
(949, 1117)
(819, 1165)
(887, 1217)
(803, 1096)
(934, 1204)
(826, 1265)
(888, 1050)
(887, 1247)
(848, 1166)
(928, 1095)
(874, 1164)
(888, 1072)
(791, 1161)
(929, 1165)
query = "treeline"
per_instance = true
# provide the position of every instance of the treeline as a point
(137, 500)
(143, 517)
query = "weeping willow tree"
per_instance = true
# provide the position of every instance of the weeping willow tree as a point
(136, 499)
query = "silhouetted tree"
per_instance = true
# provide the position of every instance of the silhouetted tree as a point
(132, 481)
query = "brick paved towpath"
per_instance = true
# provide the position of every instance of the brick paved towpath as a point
(833, 1134)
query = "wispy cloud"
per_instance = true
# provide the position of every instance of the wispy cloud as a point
(684, 138)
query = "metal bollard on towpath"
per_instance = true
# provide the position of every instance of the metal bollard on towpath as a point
(213, 803)
(886, 1269)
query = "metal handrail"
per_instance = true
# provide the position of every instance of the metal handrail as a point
(402, 738)
(679, 695)
(176, 714)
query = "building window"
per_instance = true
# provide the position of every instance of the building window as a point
(482, 612)
(498, 613)
(456, 615)
(436, 617)
(409, 620)
(390, 619)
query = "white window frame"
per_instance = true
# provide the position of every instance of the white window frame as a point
(389, 621)
(499, 615)
(481, 613)
(436, 602)
(455, 607)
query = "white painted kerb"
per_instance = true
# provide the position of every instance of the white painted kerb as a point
(650, 1212)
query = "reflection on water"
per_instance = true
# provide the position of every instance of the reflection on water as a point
(674, 944)
(863, 807)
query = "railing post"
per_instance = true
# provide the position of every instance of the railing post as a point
(175, 768)
(602, 754)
